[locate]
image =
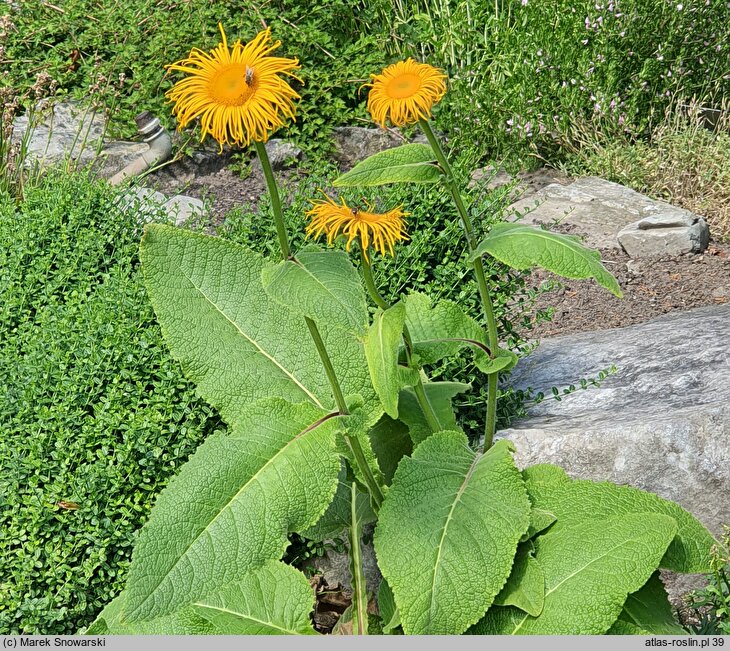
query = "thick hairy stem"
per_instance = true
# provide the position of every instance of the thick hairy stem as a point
(478, 266)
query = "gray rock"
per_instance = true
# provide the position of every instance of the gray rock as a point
(661, 423)
(596, 208)
(673, 232)
(353, 144)
(64, 130)
(181, 208)
(147, 203)
(282, 154)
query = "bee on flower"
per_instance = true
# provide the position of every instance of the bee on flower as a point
(236, 91)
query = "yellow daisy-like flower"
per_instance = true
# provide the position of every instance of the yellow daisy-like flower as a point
(405, 92)
(236, 92)
(379, 229)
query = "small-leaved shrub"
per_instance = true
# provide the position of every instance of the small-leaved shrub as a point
(94, 415)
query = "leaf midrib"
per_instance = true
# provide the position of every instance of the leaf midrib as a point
(570, 576)
(253, 342)
(351, 311)
(437, 563)
(253, 477)
(246, 616)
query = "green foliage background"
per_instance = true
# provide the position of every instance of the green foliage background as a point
(92, 408)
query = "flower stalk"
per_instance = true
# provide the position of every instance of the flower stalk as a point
(374, 488)
(478, 267)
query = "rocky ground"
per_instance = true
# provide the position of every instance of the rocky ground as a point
(651, 287)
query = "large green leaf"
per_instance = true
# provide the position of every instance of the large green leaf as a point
(621, 627)
(337, 516)
(381, 351)
(232, 505)
(232, 340)
(389, 614)
(391, 441)
(649, 609)
(579, 501)
(522, 247)
(323, 285)
(183, 622)
(448, 532)
(589, 571)
(414, 163)
(274, 599)
(444, 329)
(525, 587)
(439, 396)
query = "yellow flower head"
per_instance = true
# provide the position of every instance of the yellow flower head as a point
(405, 92)
(378, 229)
(236, 92)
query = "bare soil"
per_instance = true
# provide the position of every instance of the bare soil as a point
(651, 286)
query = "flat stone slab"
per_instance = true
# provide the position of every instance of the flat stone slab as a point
(660, 423)
(596, 208)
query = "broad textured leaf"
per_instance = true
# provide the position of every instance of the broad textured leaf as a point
(389, 614)
(354, 427)
(359, 603)
(620, 627)
(523, 247)
(589, 571)
(439, 395)
(444, 329)
(337, 516)
(414, 163)
(649, 609)
(525, 587)
(381, 351)
(183, 622)
(448, 512)
(575, 502)
(274, 599)
(391, 441)
(232, 340)
(231, 506)
(323, 285)
(539, 521)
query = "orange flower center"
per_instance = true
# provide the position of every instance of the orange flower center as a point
(403, 86)
(234, 85)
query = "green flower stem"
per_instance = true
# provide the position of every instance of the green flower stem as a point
(450, 182)
(275, 200)
(367, 273)
(328, 368)
(375, 490)
(420, 392)
(286, 253)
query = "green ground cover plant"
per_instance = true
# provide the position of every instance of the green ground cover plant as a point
(94, 414)
(335, 422)
(116, 52)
